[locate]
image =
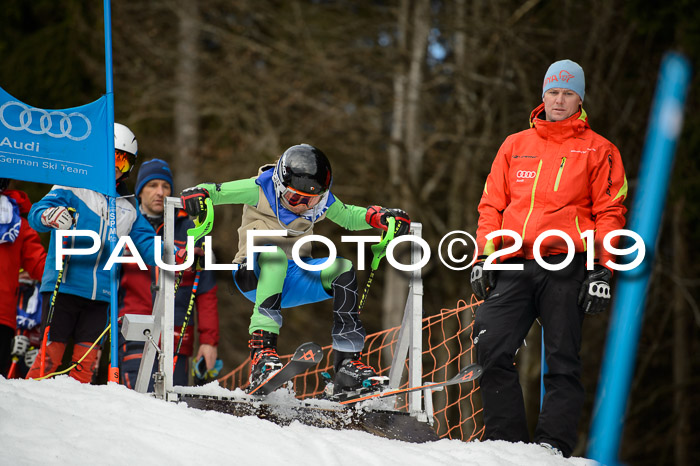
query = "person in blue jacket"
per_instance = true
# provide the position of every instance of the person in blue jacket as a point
(81, 308)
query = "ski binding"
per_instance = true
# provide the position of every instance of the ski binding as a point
(306, 356)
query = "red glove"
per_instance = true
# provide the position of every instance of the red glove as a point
(181, 257)
(377, 217)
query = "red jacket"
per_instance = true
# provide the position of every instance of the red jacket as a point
(26, 252)
(556, 175)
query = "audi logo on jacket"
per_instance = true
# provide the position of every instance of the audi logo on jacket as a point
(555, 175)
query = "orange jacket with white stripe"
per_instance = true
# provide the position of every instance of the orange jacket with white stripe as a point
(556, 175)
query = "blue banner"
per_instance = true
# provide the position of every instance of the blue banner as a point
(65, 147)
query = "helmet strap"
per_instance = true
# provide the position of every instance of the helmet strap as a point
(292, 231)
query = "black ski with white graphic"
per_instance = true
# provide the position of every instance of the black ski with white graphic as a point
(468, 374)
(305, 357)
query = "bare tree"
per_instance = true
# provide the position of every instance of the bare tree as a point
(186, 115)
(407, 137)
(681, 363)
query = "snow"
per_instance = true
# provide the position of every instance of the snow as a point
(61, 421)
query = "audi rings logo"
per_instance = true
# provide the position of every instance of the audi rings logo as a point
(63, 125)
(527, 174)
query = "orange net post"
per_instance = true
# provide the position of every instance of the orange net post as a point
(447, 339)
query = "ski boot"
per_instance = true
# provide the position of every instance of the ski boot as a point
(264, 360)
(353, 377)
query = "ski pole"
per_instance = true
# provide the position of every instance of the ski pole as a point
(379, 251)
(13, 366)
(15, 357)
(18, 332)
(65, 371)
(199, 231)
(49, 317)
(183, 329)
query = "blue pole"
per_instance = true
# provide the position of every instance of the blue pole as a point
(543, 371)
(113, 375)
(645, 219)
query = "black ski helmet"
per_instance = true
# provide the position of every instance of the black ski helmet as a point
(304, 168)
(4, 184)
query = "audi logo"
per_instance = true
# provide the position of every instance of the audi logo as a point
(525, 174)
(47, 120)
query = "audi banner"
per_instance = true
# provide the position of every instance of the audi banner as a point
(66, 147)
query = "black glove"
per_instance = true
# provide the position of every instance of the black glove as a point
(482, 280)
(201, 375)
(594, 296)
(377, 217)
(193, 202)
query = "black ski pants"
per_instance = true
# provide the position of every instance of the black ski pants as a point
(6, 336)
(502, 323)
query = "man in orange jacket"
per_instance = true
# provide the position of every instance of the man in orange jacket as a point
(557, 175)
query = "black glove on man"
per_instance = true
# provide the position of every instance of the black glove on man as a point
(193, 202)
(482, 280)
(377, 217)
(594, 296)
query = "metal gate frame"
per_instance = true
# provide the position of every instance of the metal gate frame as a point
(409, 343)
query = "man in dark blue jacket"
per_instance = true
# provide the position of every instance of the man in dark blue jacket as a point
(153, 184)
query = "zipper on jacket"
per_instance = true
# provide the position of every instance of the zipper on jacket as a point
(578, 228)
(532, 199)
(561, 169)
(103, 239)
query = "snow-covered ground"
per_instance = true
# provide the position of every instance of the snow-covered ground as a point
(63, 422)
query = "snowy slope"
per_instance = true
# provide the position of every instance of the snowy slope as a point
(63, 422)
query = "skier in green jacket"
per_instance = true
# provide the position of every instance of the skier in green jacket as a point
(293, 195)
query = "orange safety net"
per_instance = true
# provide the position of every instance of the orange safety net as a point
(448, 347)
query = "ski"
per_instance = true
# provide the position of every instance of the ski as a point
(468, 374)
(305, 357)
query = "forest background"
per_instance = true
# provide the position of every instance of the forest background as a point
(410, 99)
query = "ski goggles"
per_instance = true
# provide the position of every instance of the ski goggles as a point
(295, 198)
(124, 160)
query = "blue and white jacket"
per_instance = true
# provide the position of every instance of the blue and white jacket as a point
(85, 276)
